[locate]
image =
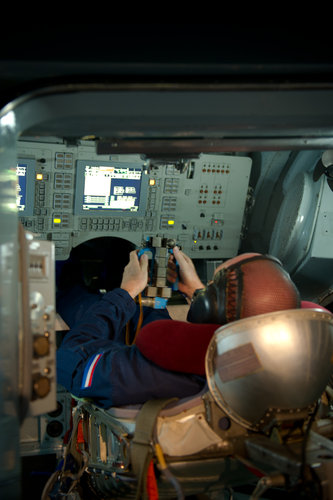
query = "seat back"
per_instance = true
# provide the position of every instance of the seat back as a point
(265, 364)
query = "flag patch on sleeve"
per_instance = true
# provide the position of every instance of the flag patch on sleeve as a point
(90, 370)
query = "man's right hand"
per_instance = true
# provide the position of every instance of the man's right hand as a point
(189, 280)
(135, 276)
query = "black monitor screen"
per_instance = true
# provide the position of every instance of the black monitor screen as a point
(110, 187)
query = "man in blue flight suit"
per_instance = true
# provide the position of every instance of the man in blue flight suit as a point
(94, 359)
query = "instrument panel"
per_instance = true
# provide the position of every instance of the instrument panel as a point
(68, 194)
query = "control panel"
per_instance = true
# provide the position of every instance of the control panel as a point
(68, 194)
(42, 323)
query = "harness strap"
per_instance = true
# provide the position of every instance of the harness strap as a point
(142, 443)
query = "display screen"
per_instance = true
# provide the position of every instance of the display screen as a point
(25, 186)
(109, 187)
(21, 171)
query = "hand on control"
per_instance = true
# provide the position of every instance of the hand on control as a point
(189, 280)
(135, 276)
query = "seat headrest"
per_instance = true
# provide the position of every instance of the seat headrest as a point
(176, 345)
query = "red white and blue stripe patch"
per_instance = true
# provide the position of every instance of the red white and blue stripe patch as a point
(90, 370)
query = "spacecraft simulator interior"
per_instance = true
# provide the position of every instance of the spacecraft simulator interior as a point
(100, 186)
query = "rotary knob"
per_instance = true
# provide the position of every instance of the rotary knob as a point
(41, 345)
(41, 386)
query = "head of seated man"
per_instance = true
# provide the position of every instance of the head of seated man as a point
(246, 285)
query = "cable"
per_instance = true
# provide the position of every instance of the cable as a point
(167, 473)
(305, 441)
(138, 326)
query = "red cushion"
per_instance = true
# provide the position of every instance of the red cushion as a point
(305, 304)
(176, 345)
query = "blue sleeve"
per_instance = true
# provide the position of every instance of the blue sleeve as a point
(93, 360)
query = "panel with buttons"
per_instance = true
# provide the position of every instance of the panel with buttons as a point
(201, 206)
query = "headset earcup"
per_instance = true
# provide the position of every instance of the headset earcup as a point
(204, 306)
